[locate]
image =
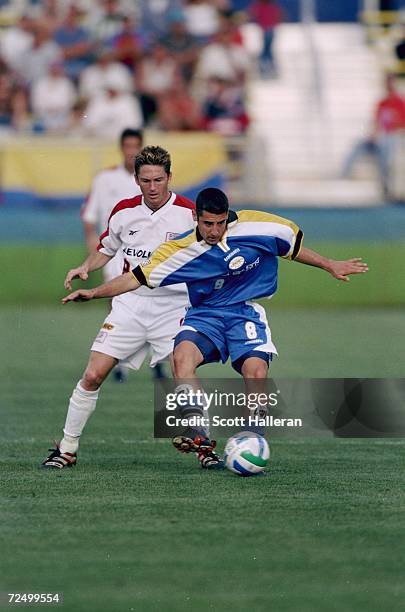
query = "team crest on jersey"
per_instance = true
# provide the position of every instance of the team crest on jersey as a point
(171, 236)
(236, 263)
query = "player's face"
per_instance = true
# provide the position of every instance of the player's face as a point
(154, 184)
(212, 227)
(130, 149)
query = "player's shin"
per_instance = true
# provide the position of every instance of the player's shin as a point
(192, 408)
(255, 414)
(81, 405)
(194, 437)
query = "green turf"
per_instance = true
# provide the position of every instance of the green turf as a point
(35, 273)
(137, 526)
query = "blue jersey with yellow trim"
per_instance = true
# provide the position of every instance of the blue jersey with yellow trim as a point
(243, 266)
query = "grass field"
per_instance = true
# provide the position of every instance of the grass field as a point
(138, 527)
(33, 274)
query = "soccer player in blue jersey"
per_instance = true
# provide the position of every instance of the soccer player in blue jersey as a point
(227, 261)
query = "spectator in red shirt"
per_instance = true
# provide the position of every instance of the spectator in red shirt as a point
(389, 120)
(390, 112)
(177, 110)
(267, 14)
(128, 44)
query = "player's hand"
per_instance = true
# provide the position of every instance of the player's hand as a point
(81, 295)
(79, 272)
(342, 269)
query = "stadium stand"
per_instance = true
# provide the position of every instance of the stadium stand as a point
(197, 65)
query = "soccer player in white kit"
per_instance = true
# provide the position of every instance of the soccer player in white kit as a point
(141, 321)
(110, 186)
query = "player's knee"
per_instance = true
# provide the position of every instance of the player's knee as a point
(256, 369)
(92, 379)
(183, 364)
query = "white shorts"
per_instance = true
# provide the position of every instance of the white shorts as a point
(139, 325)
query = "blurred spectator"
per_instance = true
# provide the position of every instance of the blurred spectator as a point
(108, 114)
(389, 120)
(268, 14)
(50, 13)
(223, 58)
(16, 41)
(202, 19)
(95, 78)
(224, 110)
(177, 110)
(127, 45)
(36, 61)
(13, 102)
(228, 19)
(155, 76)
(107, 22)
(75, 43)
(181, 44)
(52, 99)
(154, 17)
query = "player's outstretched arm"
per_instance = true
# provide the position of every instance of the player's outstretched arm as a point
(94, 261)
(338, 269)
(120, 284)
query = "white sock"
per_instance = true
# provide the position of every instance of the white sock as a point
(81, 405)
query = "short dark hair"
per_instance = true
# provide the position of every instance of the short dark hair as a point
(130, 133)
(212, 200)
(153, 156)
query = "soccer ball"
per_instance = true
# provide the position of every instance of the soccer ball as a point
(246, 454)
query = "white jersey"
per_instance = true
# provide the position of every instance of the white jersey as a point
(135, 231)
(109, 187)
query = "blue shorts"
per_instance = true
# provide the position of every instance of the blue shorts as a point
(231, 331)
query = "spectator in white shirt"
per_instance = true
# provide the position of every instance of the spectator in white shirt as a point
(109, 113)
(94, 79)
(223, 58)
(16, 41)
(156, 74)
(52, 99)
(201, 19)
(35, 62)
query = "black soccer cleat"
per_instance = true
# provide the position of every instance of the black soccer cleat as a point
(210, 460)
(58, 460)
(203, 446)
